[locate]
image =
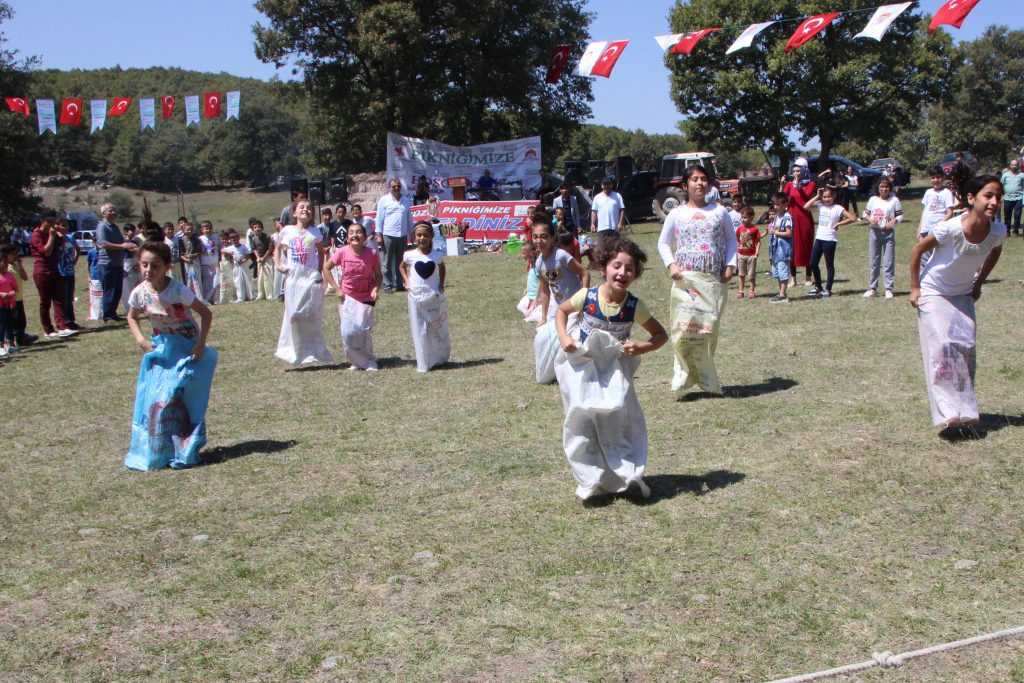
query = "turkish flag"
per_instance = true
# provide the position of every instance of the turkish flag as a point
(119, 106)
(953, 13)
(810, 27)
(559, 59)
(611, 54)
(167, 104)
(211, 104)
(17, 104)
(689, 41)
(71, 111)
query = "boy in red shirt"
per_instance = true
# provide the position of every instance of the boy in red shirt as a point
(748, 240)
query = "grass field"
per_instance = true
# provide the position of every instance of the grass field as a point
(355, 526)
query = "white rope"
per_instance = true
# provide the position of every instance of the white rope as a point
(888, 660)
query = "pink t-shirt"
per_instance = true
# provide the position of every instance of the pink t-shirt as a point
(9, 286)
(357, 272)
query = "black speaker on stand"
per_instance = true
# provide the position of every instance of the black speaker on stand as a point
(574, 172)
(338, 190)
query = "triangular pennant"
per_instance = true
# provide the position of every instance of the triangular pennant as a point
(882, 19)
(47, 116)
(234, 101)
(952, 13)
(191, 110)
(810, 27)
(689, 41)
(746, 38)
(147, 113)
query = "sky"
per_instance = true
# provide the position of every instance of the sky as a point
(206, 35)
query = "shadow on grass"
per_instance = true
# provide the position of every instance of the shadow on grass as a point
(320, 367)
(38, 346)
(668, 486)
(988, 423)
(769, 386)
(461, 365)
(107, 327)
(394, 362)
(221, 454)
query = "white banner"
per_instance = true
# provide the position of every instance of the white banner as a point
(666, 42)
(746, 38)
(97, 115)
(191, 110)
(513, 164)
(147, 113)
(47, 115)
(234, 104)
(882, 19)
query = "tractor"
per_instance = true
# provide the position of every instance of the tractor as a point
(670, 191)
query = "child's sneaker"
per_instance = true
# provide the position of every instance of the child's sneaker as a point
(869, 293)
(888, 294)
(813, 293)
(826, 293)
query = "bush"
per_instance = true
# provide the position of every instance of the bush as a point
(123, 203)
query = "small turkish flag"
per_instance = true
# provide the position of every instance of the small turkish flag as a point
(689, 41)
(559, 59)
(17, 104)
(211, 104)
(167, 104)
(71, 111)
(810, 27)
(611, 54)
(953, 13)
(120, 106)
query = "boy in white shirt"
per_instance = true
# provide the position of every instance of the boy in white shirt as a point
(937, 203)
(883, 212)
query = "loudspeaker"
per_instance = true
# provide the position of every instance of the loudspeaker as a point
(300, 185)
(338, 190)
(623, 168)
(574, 171)
(316, 191)
(597, 171)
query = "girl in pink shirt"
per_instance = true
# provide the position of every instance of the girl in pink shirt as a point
(357, 291)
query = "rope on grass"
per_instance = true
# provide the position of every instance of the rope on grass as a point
(888, 660)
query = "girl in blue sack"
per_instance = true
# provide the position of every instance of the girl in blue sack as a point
(604, 434)
(173, 389)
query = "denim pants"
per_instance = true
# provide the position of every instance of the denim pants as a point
(112, 277)
(882, 254)
(1011, 213)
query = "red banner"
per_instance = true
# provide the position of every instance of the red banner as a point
(487, 220)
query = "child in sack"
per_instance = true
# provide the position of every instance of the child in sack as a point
(361, 278)
(423, 273)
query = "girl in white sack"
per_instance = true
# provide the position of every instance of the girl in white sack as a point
(560, 276)
(698, 246)
(299, 254)
(423, 274)
(357, 290)
(963, 251)
(604, 434)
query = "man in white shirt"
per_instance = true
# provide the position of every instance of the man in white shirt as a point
(394, 224)
(607, 210)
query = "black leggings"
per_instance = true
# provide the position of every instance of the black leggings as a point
(828, 249)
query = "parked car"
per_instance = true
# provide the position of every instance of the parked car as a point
(901, 176)
(869, 177)
(948, 161)
(85, 240)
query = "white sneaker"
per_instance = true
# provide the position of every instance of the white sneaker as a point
(51, 335)
(65, 333)
(869, 293)
(888, 294)
(3, 352)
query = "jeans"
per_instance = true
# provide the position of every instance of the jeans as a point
(112, 277)
(394, 251)
(827, 249)
(882, 253)
(68, 283)
(51, 296)
(7, 332)
(1011, 214)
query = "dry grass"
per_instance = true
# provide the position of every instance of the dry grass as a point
(806, 521)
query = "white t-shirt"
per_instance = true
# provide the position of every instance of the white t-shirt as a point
(737, 219)
(424, 269)
(933, 208)
(301, 245)
(953, 264)
(562, 280)
(210, 250)
(608, 208)
(880, 211)
(169, 310)
(239, 253)
(828, 216)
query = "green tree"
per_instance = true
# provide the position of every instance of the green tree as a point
(986, 112)
(834, 88)
(592, 141)
(459, 71)
(17, 133)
